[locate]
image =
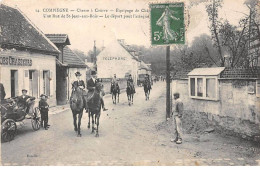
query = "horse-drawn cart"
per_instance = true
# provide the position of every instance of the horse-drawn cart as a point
(11, 113)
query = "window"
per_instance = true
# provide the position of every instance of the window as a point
(46, 82)
(192, 86)
(203, 87)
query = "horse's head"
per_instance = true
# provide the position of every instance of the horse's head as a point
(76, 100)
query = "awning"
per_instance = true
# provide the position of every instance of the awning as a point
(214, 71)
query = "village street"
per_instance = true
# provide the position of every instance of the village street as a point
(136, 135)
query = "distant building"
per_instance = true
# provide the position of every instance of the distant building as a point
(117, 58)
(67, 63)
(27, 56)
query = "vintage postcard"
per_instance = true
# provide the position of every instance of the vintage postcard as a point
(130, 82)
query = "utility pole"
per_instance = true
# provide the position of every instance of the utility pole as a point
(168, 83)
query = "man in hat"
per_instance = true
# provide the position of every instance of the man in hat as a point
(44, 109)
(23, 103)
(91, 85)
(114, 82)
(131, 82)
(177, 117)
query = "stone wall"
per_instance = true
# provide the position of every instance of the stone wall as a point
(237, 110)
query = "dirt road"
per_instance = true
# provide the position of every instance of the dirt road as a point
(129, 135)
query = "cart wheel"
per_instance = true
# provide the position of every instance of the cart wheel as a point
(36, 120)
(8, 130)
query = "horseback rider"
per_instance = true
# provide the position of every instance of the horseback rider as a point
(130, 82)
(114, 82)
(24, 105)
(79, 84)
(91, 85)
(147, 81)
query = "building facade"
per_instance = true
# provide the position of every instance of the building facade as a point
(117, 59)
(228, 97)
(27, 57)
(67, 64)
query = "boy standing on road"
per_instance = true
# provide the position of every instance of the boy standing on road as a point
(177, 117)
(44, 109)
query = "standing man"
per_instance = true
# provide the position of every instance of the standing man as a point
(2, 92)
(44, 109)
(177, 117)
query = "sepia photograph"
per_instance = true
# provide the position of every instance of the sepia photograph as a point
(130, 82)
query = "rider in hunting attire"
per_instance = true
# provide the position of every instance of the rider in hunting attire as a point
(114, 81)
(130, 81)
(91, 85)
(147, 81)
(81, 84)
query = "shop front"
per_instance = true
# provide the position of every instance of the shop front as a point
(31, 71)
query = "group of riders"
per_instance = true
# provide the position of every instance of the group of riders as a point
(93, 81)
(23, 101)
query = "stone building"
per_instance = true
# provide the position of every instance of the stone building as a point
(229, 97)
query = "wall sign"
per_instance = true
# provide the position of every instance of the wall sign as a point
(114, 58)
(15, 61)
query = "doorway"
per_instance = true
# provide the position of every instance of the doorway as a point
(14, 83)
(33, 83)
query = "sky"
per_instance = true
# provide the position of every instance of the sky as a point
(83, 32)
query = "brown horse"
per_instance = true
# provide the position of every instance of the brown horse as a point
(130, 91)
(77, 106)
(94, 106)
(115, 92)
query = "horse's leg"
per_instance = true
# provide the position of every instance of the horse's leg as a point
(118, 97)
(132, 98)
(95, 119)
(115, 98)
(79, 122)
(98, 116)
(75, 121)
(92, 114)
(88, 119)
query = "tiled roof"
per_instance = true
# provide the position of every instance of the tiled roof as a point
(18, 31)
(182, 74)
(71, 59)
(59, 38)
(240, 73)
(129, 50)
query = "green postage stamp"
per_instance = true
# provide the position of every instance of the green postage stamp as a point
(167, 23)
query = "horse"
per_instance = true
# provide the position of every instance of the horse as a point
(147, 88)
(115, 92)
(77, 106)
(130, 93)
(94, 106)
